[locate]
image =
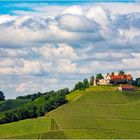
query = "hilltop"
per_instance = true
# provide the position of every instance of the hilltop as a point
(97, 112)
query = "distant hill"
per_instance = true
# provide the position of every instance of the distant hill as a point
(97, 112)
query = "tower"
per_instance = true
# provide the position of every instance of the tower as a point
(95, 82)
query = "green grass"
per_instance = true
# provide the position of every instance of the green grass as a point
(44, 135)
(98, 112)
(101, 112)
(74, 95)
(11, 104)
(21, 128)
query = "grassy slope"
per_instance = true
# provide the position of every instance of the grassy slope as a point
(101, 113)
(29, 126)
(98, 112)
(11, 104)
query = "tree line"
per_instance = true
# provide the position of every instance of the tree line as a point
(35, 108)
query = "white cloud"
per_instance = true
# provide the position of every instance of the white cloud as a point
(39, 53)
(99, 14)
(62, 51)
(66, 66)
(74, 10)
(6, 18)
(77, 23)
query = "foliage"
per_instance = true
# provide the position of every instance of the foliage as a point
(81, 85)
(137, 82)
(99, 76)
(112, 73)
(121, 72)
(12, 103)
(35, 108)
(85, 83)
(91, 80)
(2, 97)
(30, 96)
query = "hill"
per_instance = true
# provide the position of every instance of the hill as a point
(97, 112)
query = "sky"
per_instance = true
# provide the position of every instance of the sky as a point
(49, 45)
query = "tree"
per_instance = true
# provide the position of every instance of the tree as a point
(99, 76)
(121, 72)
(79, 86)
(85, 83)
(91, 80)
(137, 82)
(2, 97)
(112, 73)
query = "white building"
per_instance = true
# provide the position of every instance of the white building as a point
(103, 82)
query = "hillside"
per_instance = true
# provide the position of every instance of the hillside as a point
(97, 112)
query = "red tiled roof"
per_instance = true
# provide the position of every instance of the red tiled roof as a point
(118, 77)
(127, 87)
(122, 77)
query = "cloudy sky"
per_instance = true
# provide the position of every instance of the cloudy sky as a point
(52, 45)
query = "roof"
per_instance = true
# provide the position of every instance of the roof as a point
(117, 77)
(122, 77)
(127, 86)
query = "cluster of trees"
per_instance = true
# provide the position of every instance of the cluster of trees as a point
(35, 95)
(2, 97)
(30, 96)
(137, 82)
(99, 76)
(121, 72)
(82, 85)
(35, 108)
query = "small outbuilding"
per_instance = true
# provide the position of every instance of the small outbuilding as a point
(126, 88)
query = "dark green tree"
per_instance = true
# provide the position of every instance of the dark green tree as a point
(2, 97)
(79, 86)
(121, 72)
(112, 73)
(91, 80)
(99, 76)
(137, 82)
(85, 83)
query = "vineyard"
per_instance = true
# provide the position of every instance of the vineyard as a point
(97, 112)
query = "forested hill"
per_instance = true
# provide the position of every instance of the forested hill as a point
(31, 106)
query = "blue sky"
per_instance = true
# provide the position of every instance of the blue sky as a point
(52, 45)
(6, 6)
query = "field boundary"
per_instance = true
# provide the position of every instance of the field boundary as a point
(98, 129)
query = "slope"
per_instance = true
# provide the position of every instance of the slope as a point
(100, 113)
(97, 112)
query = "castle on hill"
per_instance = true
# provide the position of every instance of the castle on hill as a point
(114, 79)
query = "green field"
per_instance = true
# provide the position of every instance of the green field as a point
(97, 112)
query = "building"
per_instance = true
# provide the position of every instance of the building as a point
(103, 82)
(121, 79)
(126, 88)
(114, 80)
